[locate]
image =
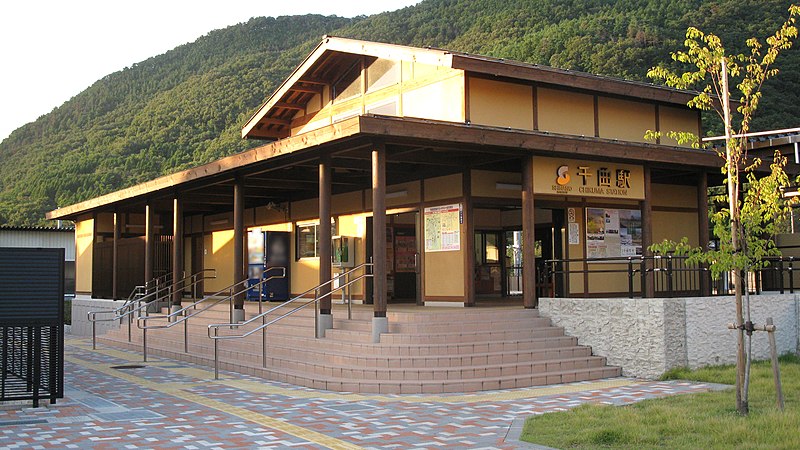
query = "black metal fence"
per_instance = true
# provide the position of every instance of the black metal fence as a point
(32, 363)
(31, 324)
(670, 275)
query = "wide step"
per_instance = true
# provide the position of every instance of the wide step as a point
(426, 352)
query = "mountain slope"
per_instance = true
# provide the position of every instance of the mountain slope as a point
(186, 107)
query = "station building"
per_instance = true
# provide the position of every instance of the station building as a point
(452, 173)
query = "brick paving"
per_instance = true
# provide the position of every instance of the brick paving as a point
(171, 404)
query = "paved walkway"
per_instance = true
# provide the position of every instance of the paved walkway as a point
(170, 404)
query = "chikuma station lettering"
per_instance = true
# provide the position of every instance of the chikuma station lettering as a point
(588, 178)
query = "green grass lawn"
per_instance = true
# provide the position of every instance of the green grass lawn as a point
(694, 421)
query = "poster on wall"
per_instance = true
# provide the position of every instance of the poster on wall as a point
(443, 228)
(613, 233)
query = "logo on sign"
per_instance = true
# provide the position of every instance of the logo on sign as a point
(562, 175)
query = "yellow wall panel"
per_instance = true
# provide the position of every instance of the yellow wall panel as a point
(625, 120)
(444, 273)
(218, 255)
(677, 119)
(675, 226)
(484, 184)
(346, 203)
(84, 252)
(443, 187)
(674, 195)
(500, 104)
(442, 100)
(565, 112)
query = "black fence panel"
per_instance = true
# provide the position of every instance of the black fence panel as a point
(31, 324)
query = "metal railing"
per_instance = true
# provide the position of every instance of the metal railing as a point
(181, 315)
(670, 275)
(137, 304)
(343, 281)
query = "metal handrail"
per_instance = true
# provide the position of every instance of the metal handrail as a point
(182, 317)
(264, 323)
(129, 308)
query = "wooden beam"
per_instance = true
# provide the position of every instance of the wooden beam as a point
(149, 244)
(379, 269)
(286, 105)
(529, 299)
(703, 226)
(317, 89)
(239, 273)
(115, 258)
(469, 238)
(325, 233)
(177, 251)
(647, 233)
(274, 121)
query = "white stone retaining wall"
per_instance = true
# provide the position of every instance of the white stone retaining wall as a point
(81, 306)
(647, 337)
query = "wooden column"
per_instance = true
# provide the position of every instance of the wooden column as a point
(149, 243)
(379, 229)
(529, 299)
(469, 239)
(702, 228)
(325, 232)
(239, 274)
(177, 250)
(647, 234)
(115, 259)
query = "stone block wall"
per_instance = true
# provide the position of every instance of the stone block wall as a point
(81, 306)
(647, 337)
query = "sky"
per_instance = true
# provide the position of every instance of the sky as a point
(51, 50)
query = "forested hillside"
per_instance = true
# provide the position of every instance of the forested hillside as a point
(186, 107)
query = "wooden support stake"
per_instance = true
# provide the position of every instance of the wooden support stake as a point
(776, 369)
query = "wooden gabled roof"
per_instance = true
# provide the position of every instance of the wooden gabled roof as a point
(332, 57)
(335, 55)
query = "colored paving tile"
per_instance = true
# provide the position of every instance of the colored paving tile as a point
(169, 404)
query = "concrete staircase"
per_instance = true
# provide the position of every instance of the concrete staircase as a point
(428, 350)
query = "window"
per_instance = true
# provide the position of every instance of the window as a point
(349, 85)
(307, 241)
(382, 73)
(307, 235)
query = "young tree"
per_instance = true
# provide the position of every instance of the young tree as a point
(745, 226)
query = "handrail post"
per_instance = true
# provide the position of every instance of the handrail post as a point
(781, 276)
(642, 271)
(186, 333)
(216, 358)
(144, 344)
(130, 319)
(630, 277)
(263, 327)
(316, 314)
(791, 274)
(94, 333)
(669, 277)
(349, 300)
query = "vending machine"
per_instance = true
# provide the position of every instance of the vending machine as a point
(268, 250)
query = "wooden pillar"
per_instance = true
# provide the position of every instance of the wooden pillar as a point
(325, 232)
(647, 234)
(239, 274)
(379, 229)
(702, 231)
(149, 244)
(177, 250)
(529, 299)
(115, 259)
(469, 239)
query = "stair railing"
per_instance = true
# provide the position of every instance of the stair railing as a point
(347, 281)
(182, 316)
(135, 304)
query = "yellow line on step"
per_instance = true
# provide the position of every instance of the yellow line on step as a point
(177, 390)
(492, 396)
